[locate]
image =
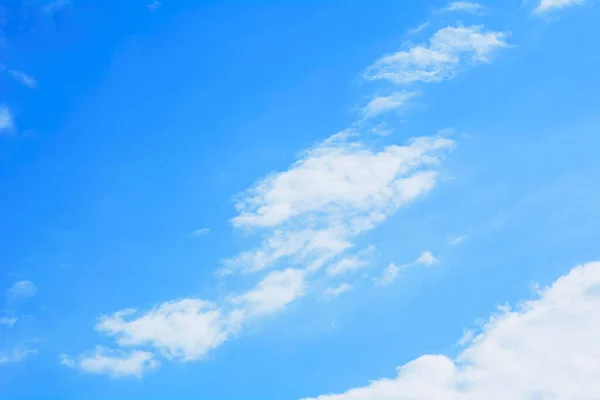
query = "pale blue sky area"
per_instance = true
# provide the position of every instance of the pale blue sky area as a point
(286, 200)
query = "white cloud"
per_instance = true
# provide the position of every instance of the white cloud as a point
(449, 49)
(16, 355)
(8, 321)
(21, 290)
(113, 363)
(23, 78)
(185, 329)
(456, 240)
(351, 263)
(550, 5)
(390, 274)
(201, 232)
(464, 6)
(426, 258)
(381, 105)
(547, 348)
(339, 189)
(6, 120)
(336, 291)
(273, 293)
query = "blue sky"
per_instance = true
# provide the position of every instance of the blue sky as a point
(299, 200)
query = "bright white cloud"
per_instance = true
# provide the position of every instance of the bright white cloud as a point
(550, 5)
(185, 329)
(464, 6)
(6, 119)
(336, 291)
(426, 258)
(15, 355)
(273, 293)
(547, 348)
(21, 290)
(113, 363)
(448, 51)
(381, 105)
(339, 189)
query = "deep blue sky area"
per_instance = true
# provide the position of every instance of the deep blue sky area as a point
(178, 222)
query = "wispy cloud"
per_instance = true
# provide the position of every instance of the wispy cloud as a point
(545, 348)
(6, 120)
(155, 5)
(456, 240)
(8, 321)
(419, 28)
(23, 78)
(448, 51)
(464, 6)
(21, 291)
(384, 104)
(15, 355)
(113, 363)
(336, 291)
(550, 5)
(393, 271)
(201, 232)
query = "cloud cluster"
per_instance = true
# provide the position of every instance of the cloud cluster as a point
(448, 51)
(546, 348)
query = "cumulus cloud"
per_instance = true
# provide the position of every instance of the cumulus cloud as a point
(546, 348)
(426, 258)
(113, 363)
(464, 6)
(551, 5)
(384, 104)
(449, 50)
(21, 290)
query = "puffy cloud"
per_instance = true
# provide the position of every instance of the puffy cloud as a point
(426, 258)
(186, 328)
(546, 348)
(449, 49)
(113, 363)
(384, 104)
(551, 5)
(21, 290)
